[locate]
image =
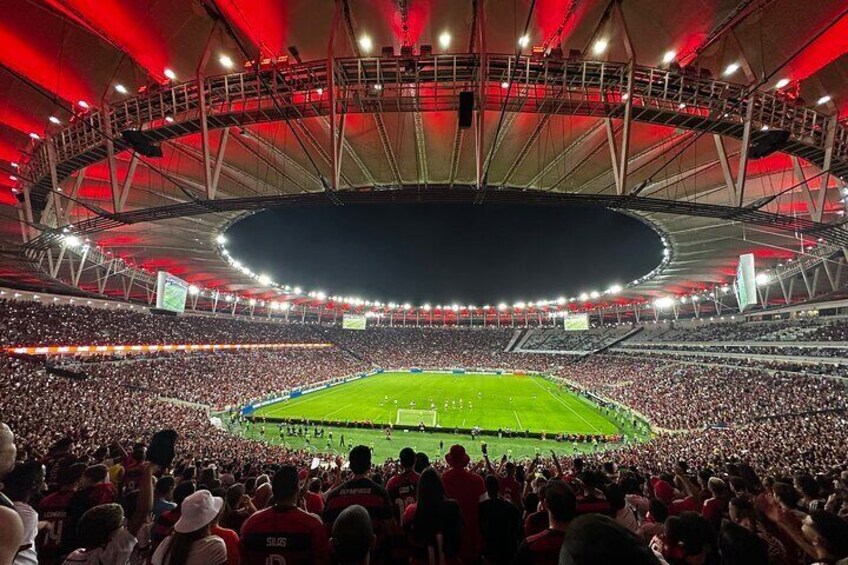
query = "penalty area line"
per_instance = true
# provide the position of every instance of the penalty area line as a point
(520, 427)
(561, 401)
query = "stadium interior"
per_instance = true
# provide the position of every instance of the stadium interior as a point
(169, 401)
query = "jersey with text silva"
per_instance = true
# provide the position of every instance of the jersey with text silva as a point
(289, 536)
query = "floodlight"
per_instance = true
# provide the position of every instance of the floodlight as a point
(600, 46)
(171, 75)
(730, 69)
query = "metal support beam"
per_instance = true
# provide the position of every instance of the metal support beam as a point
(69, 207)
(106, 116)
(335, 161)
(742, 173)
(725, 169)
(219, 162)
(479, 125)
(125, 191)
(801, 180)
(204, 123)
(830, 140)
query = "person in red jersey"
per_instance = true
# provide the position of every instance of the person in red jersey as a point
(53, 509)
(544, 548)
(467, 489)
(402, 486)
(95, 489)
(284, 533)
(361, 490)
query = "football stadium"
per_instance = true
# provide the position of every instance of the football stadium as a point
(423, 282)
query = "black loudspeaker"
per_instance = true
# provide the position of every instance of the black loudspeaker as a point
(466, 108)
(142, 145)
(764, 143)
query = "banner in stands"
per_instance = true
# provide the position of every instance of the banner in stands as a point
(354, 322)
(171, 292)
(746, 282)
(576, 322)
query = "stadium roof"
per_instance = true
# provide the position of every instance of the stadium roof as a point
(561, 128)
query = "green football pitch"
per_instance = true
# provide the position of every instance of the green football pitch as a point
(490, 401)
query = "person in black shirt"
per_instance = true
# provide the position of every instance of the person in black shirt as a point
(500, 524)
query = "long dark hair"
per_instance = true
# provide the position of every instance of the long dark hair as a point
(431, 499)
(180, 546)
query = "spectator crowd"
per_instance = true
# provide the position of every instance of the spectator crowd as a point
(751, 467)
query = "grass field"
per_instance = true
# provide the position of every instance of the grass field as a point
(518, 402)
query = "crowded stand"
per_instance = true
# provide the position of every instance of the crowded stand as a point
(805, 330)
(747, 461)
(554, 339)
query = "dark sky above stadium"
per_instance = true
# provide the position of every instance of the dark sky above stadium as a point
(446, 253)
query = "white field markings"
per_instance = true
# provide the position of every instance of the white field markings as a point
(336, 410)
(520, 427)
(561, 401)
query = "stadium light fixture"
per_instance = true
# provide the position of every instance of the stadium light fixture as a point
(725, 289)
(600, 47)
(407, 306)
(455, 307)
(502, 306)
(193, 290)
(264, 279)
(730, 69)
(55, 121)
(121, 89)
(14, 165)
(426, 307)
(320, 295)
(252, 302)
(169, 119)
(505, 84)
(365, 43)
(664, 302)
(823, 100)
(83, 104)
(226, 61)
(615, 289)
(13, 178)
(763, 279)
(35, 136)
(72, 240)
(669, 56)
(298, 290)
(444, 40)
(519, 305)
(285, 306)
(170, 74)
(782, 83)
(594, 294)
(524, 40)
(584, 296)
(221, 239)
(378, 87)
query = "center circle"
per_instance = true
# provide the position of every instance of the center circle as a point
(446, 252)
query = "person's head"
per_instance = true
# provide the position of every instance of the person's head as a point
(360, 459)
(285, 486)
(615, 497)
(510, 469)
(422, 461)
(739, 546)
(739, 486)
(314, 485)
(407, 458)
(8, 449)
(69, 476)
(183, 491)
(430, 487)
(352, 536)
(560, 503)
(786, 495)
(234, 494)
(827, 532)
(657, 511)
(493, 486)
(24, 480)
(807, 486)
(457, 457)
(99, 524)
(742, 512)
(717, 487)
(691, 533)
(595, 539)
(199, 511)
(165, 487)
(139, 451)
(95, 475)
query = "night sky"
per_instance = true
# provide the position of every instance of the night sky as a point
(446, 253)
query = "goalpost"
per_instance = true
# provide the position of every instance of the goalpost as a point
(413, 417)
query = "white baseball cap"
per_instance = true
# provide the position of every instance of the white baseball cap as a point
(198, 510)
